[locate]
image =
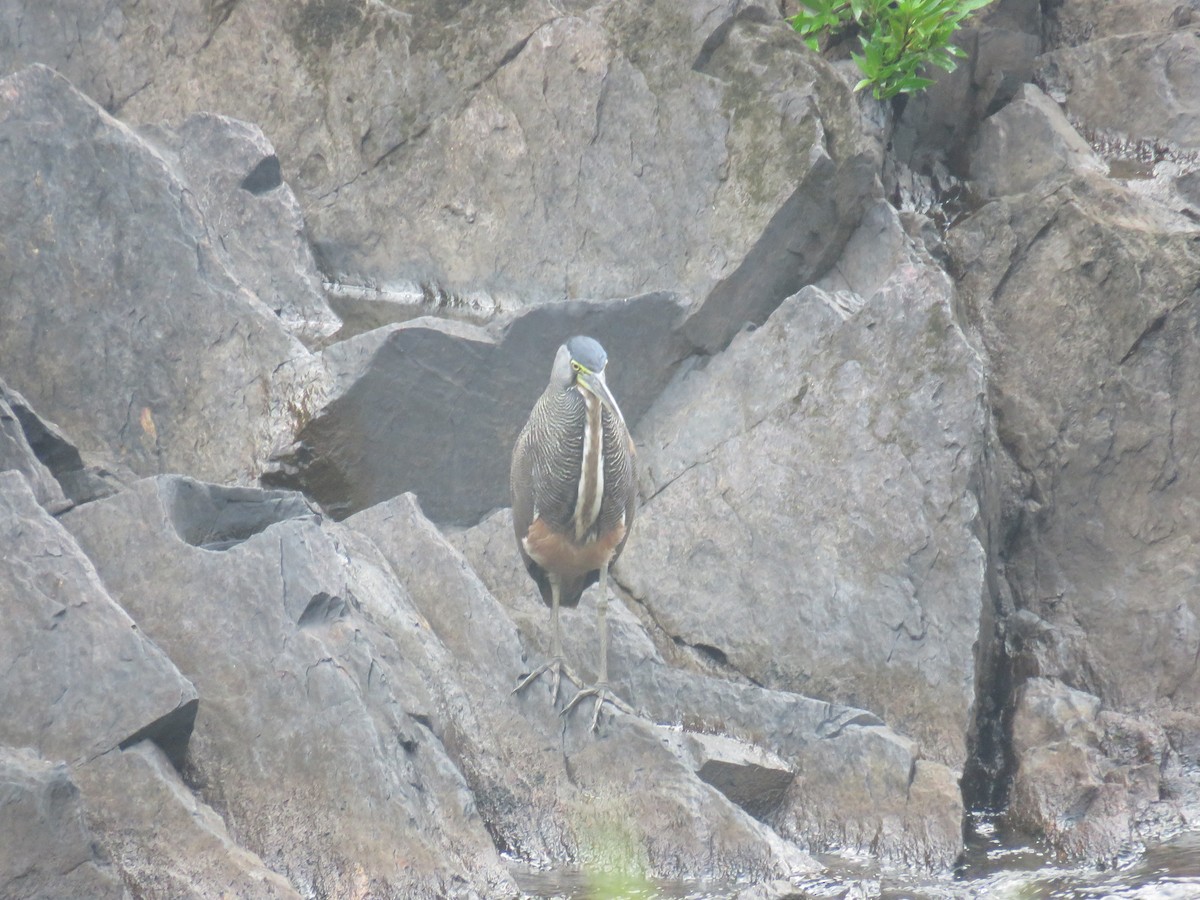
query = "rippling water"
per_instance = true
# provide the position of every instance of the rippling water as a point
(992, 868)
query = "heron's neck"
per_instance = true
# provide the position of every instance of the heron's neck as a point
(591, 471)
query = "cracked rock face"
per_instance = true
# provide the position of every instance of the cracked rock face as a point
(79, 677)
(515, 151)
(46, 849)
(1086, 304)
(823, 464)
(109, 262)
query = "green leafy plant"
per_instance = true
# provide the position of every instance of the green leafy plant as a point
(898, 37)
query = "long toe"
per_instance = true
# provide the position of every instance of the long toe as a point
(558, 667)
(603, 694)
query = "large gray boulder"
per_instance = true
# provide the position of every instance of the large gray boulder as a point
(1027, 143)
(823, 775)
(312, 739)
(508, 153)
(253, 219)
(445, 400)
(166, 841)
(552, 791)
(46, 849)
(810, 509)
(1084, 298)
(119, 321)
(79, 678)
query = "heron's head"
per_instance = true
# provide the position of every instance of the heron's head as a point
(580, 363)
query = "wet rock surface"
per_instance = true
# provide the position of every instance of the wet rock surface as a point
(917, 514)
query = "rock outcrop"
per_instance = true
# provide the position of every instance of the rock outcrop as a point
(1080, 283)
(280, 283)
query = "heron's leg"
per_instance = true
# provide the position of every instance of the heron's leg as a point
(557, 663)
(600, 690)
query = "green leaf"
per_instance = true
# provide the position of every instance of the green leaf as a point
(898, 38)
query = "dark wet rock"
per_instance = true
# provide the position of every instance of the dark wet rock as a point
(46, 850)
(115, 293)
(825, 463)
(311, 741)
(167, 843)
(1093, 392)
(447, 400)
(17, 453)
(253, 219)
(79, 677)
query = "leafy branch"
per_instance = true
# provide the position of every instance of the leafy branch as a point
(899, 38)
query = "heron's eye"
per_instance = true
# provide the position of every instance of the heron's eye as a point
(576, 366)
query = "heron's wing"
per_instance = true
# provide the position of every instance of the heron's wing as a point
(556, 447)
(520, 484)
(628, 480)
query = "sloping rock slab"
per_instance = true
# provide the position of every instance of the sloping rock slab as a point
(811, 516)
(552, 791)
(78, 676)
(120, 323)
(168, 843)
(254, 221)
(16, 452)
(38, 448)
(853, 786)
(317, 677)
(46, 850)
(434, 406)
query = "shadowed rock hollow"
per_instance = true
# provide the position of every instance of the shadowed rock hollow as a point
(914, 391)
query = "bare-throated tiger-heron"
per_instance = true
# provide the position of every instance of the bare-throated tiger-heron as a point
(574, 496)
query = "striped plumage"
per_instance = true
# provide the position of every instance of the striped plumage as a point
(574, 489)
(547, 477)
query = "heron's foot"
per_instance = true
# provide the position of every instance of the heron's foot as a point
(603, 694)
(555, 665)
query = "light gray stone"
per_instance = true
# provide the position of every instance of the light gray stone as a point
(120, 323)
(823, 465)
(78, 675)
(312, 741)
(1026, 144)
(165, 841)
(253, 219)
(46, 850)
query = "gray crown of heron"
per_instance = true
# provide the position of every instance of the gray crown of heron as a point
(574, 496)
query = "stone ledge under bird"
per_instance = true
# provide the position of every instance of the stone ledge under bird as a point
(574, 495)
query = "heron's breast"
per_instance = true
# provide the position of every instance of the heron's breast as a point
(563, 555)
